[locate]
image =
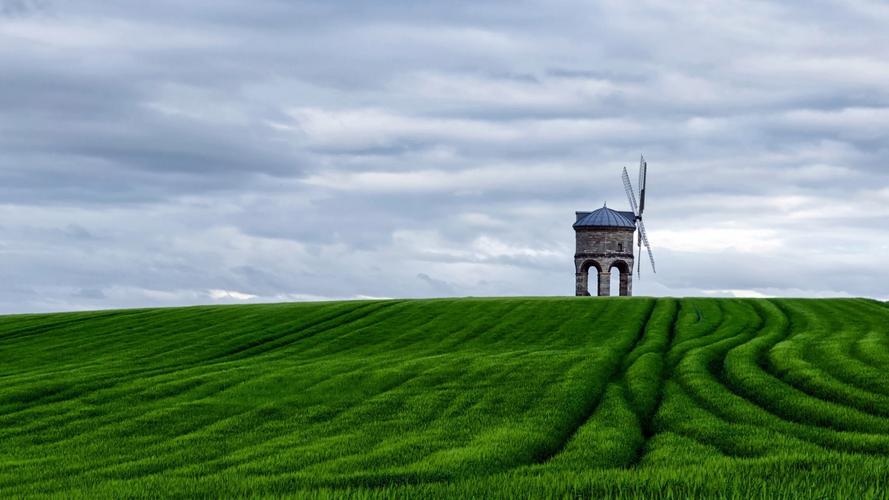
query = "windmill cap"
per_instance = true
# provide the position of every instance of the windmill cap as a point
(606, 217)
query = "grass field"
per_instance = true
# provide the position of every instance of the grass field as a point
(467, 397)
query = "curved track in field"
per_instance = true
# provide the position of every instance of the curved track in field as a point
(268, 399)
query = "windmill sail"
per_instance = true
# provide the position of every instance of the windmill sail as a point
(628, 187)
(638, 208)
(643, 180)
(644, 237)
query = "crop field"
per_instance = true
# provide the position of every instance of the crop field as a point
(518, 397)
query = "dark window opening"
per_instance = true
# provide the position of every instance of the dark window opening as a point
(620, 247)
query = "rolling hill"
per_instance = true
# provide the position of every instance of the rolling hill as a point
(665, 398)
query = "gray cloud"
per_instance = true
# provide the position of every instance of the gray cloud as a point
(160, 153)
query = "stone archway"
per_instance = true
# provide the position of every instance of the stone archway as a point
(626, 277)
(582, 277)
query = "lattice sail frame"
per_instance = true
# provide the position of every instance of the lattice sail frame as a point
(637, 210)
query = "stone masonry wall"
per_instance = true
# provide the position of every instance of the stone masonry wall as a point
(597, 250)
(604, 241)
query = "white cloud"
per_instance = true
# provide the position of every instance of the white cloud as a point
(715, 239)
(106, 34)
(868, 123)
(549, 94)
(747, 294)
(376, 128)
(462, 181)
(230, 294)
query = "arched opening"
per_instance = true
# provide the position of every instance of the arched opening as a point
(589, 274)
(615, 281)
(621, 278)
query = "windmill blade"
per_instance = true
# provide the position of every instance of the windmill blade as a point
(651, 258)
(643, 181)
(639, 253)
(647, 246)
(628, 187)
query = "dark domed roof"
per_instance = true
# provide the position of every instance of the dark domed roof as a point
(606, 217)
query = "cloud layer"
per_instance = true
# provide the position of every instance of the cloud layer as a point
(160, 153)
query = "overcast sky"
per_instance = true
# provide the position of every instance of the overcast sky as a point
(210, 151)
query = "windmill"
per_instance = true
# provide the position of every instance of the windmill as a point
(638, 209)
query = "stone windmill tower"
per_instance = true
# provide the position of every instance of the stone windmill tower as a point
(604, 242)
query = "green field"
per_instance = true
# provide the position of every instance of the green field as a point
(466, 397)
